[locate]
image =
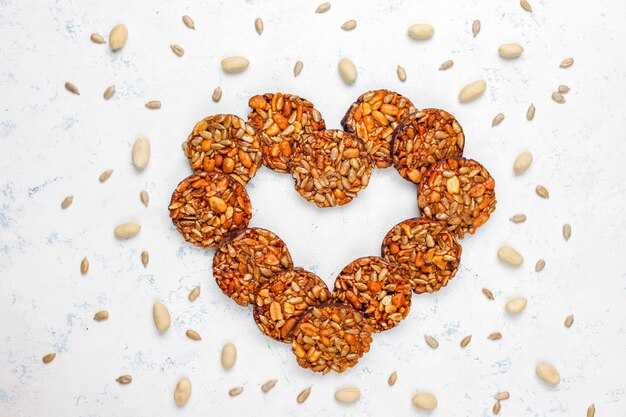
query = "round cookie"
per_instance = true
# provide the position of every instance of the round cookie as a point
(284, 299)
(376, 288)
(246, 261)
(280, 121)
(224, 143)
(426, 250)
(424, 138)
(330, 167)
(459, 193)
(373, 118)
(206, 207)
(331, 337)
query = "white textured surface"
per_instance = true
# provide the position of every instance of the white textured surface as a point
(53, 143)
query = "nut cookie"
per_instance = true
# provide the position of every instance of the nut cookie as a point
(426, 249)
(280, 121)
(246, 261)
(284, 299)
(206, 207)
(373, 118)
(424, 138)
(330, 167)
(331, 337)
(376, 288)
(459, 193)
(224, 143)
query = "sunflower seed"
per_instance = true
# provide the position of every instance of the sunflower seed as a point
(349, 25)
(304, 394)
(101, 315)
(569, 320)
(178, 50)
(84, 266)
(193, 294)
(217, 94)
(72, 88)
(233, 392)
(548, 373)
(118, 37)
(495, 336)
(188, 21)
(49, 357)
(488, 293)
(193, 335)
(510, 50)
(518, 218)
(347, 71)
(504, 395)
(99, 39)
(235, 64)
(126, 230)
(540, 265)
(229, 355)
(563, 89)
(424, 401)
(497, 120)
(446, 65)
(530, 113)
(348, 395)
(472, 91)
(183, 391)
(466, 341)
(431, 341)
(526, 6)
(401, 73)
(323, 8)
(567, 231)
(522, 162)
(542, 191)
(67, 201)
(421, 31)
(297, 69)
(109, 92)
(515, 305)
(558, 97)
(153, 104)
(145, 258)
(510, 256)
(141, 153)
(392, 378)
(124, 379)
(567, 62)
(258, 25)
(268, 385)
(161, 316)
(496, 407)
(144, 197)
(476, 27)
(591, 411)
(105, 175)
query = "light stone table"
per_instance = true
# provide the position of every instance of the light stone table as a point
(53, 144)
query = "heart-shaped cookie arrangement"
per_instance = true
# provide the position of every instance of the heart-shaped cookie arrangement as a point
(330, 329)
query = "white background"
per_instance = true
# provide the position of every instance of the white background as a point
(53, 144)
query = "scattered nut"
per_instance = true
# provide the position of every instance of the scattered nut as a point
(548, 373)
(183, 391)
(515, 305)
(229, 355)
(424, 401)
(348, 395)
(141, 153)
(233, 392)
(472, 91)
(510, 50)
(431, 341)
(235, 64)
(421, 31)
(347, 71)
(466, 341)
(118, 37)
(161, 316)
(522, 162)
(510, 256)
(105, 175)
(126, 230)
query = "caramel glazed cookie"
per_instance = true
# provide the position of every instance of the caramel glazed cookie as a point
(224, 143)
(331, 337)
(376, 288)
(281, 120)
(459, 193)
(206, 207)
(373, 118)
(284, 299)
(330, 167)
(426, 249)
(246, 261)
(423, 139)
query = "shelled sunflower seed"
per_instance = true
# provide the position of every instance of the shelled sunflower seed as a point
(144, 197)
(567, 62)
(569, 320)
(67, 201)
(392, 378)
(496, 408)
(96, 38)
(153, 105)
(297, 68)
(101, 315)
(105, 175)
(466, 340)
(563, 89)
(488, 293)
(258, 25)
(431, 341)
(145, 258)
(84, 266)
(178, 50)
(497, 119)
(49, 357)
(217, 94)
(193, 335)
(476, 27)
(518, 218)
(567, 231)
(558, 97)
(542, 191)
(233, 392)
(495, 336)
(304, 394)
(188, 21)
(401, 73)
(540, 265)
(349, 25)
(72, 88)
(193, 294)
(446, 65)
(530, 113)
(591, 410)
(526, 6)
(323, 8)
(266, 387)
(124, 379)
